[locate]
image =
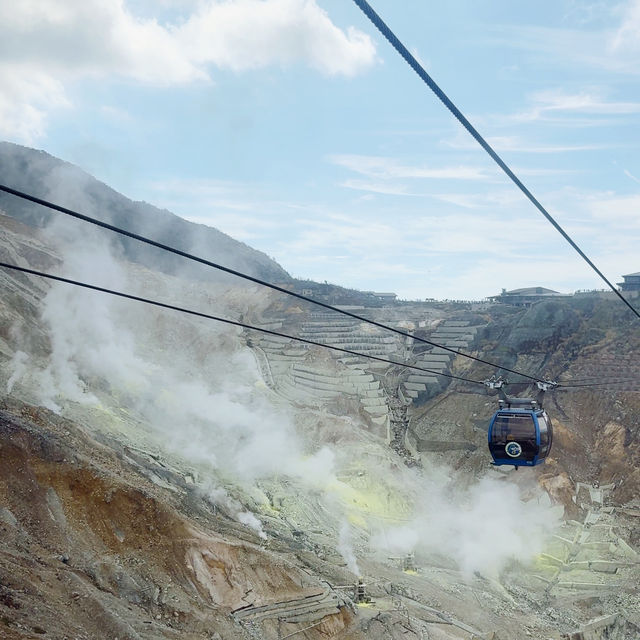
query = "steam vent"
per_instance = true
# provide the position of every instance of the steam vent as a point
(304, 472)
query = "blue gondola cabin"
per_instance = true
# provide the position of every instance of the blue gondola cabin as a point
(520, 437)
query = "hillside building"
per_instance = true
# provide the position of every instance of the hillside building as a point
(631, 284)
(528, 296)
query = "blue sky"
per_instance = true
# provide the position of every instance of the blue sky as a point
(293, 126)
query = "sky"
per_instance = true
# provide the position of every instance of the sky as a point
(293, 126)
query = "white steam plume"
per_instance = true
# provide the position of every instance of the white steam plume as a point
(482, 529)
(345, 548)
(220, 497)
(18, 366)
(190, 382)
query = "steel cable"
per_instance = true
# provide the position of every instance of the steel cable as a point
(244, 276)
(235, 323)
(417, 67)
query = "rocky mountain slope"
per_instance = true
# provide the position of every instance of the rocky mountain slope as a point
(44, 176)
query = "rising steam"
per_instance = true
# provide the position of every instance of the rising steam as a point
(194, 389)
(482, 528)
(345, 547)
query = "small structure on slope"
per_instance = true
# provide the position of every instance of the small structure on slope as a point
(631, 284)
(527, 296)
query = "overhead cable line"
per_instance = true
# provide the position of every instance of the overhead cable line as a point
(244, 276)
(417, 67)
(597, 379)
(235, 323)
(596, 384)
(249, 327)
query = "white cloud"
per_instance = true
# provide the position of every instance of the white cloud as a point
(504, 200)
(47, 45)
(387, 176)
(334, 232)
(26, 97)
(615, 50)
(370, 240)
(204, 194)
(506, 237)
(622, 211)
(519, 144)
(246, 227)
(239, 209)
(115, 114)
(626, 39)
(383, 167)
(554, 102)
(383, 188)
(66, 39)
(248, 34)
(630, 175)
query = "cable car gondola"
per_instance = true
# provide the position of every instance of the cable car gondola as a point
(520, 432)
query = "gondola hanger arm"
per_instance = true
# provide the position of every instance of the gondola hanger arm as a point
(494, 382)
(546, 385)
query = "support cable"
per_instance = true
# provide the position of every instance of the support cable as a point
(571, 381)
(249, 327)
(596, 384)
(244, 276)
(235, 323)
(417, 67)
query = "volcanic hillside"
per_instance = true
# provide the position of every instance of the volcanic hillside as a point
(167, 476)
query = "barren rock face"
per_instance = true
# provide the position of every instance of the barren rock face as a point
(85, 534)
(558, 485)
(543, 327)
